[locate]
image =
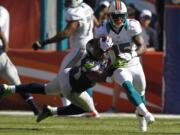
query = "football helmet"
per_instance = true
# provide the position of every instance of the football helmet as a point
(94, 50)
(117, 13)
(72, 3)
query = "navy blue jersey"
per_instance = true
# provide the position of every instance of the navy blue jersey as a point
(90, 72)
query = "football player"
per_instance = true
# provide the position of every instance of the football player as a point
(128, 45)
(72, 82)
(7, 69)
(79, 29)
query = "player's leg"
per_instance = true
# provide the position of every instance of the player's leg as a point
(10, 74)
(67, 61)
(51, 88)
(124, 78)
(140, 85)
(71, 59)
(65, 101)
(82, 102)
(139, 80)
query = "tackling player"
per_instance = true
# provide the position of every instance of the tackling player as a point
(129, 45)
(7, 70)
(72, 82)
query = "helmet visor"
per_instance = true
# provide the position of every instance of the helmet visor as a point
(118, 19)
(118, 16)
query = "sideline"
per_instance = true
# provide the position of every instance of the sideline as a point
(102, 115)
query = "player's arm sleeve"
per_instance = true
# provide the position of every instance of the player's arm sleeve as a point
(134, 28)
(70, 15)
(66, 33)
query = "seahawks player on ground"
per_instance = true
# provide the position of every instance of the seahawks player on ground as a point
(73, 82)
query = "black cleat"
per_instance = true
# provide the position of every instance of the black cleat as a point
(46, 112)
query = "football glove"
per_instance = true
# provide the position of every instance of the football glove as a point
(37, 45)
(128, 56)
(125, 56)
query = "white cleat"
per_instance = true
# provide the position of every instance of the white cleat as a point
(149, 118)
(142, 122)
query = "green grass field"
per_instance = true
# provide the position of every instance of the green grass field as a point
(26, 125)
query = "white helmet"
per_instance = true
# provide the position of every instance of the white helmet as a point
(117, 13)
(72, 3)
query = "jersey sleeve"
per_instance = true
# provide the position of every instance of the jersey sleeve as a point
(134, 28)
(72, 15)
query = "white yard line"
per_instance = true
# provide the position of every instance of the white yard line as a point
(103, 115)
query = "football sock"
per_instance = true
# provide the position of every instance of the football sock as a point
(142, 110)
(132, 94)
(36, 88)
(70, 110)
(53, 110)
(33, 106)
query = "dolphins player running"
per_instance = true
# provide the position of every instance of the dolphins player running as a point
(129, 45)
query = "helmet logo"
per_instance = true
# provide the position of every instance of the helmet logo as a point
(118, 5)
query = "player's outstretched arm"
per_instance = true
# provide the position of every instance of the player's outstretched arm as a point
(66, 33)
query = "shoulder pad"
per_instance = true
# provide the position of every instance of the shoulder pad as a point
(134, 27)
(72, 15)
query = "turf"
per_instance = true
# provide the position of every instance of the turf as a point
(26, 125)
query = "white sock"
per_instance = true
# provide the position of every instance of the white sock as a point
(142, 110)
(53, 110)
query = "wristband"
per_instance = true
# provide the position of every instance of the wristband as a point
(134, 54)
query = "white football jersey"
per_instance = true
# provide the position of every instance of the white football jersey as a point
(124, 38)
(4, 23)
(84, 15)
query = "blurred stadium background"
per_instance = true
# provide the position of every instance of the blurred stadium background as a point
(39, 19)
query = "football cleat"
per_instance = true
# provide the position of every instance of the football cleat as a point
(149, 118)
(46, 112)
(142, 122)
(5, 90)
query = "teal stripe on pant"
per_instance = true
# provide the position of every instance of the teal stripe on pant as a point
(132, 94)
(90, 92)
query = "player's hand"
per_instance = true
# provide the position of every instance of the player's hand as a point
(126, 56)
(106, 43)
(37, 45)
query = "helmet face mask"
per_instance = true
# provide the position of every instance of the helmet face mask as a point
(72, 3)
(117, 13)
(117, 20)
